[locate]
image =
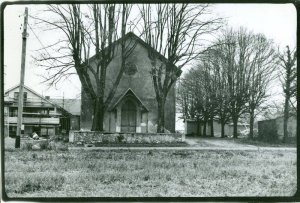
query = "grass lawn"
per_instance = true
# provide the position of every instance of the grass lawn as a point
(227, 142)
(144, 173)
(265, 144)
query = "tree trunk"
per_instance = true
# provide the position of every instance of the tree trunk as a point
(198, 127)
(222, 129)
(98, 117)
(204, 127)
(235, 121)
(251, 123)
(161, 116)
(212, 134)
(285, 119)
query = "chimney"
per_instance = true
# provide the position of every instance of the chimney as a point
(47, 97)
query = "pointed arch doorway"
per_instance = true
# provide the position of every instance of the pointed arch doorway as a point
(128, 117)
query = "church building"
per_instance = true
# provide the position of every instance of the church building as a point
(133, 107)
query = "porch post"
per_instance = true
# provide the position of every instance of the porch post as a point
(118, 120)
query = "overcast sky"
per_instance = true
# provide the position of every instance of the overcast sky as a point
(276, 21)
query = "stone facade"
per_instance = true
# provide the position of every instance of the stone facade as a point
(134, 94)
(94, 137)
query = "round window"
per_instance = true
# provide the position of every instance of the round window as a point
(130, 68)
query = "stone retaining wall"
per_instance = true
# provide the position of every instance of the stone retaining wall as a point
(91, 137)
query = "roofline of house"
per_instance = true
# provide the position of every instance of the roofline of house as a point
(39, 95)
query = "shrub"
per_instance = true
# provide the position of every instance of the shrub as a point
(45, 145)
(136, 140)
(120, 137)
(53, 138)
(146, 140)
(60, 146)
(105, 140)
(112, 138)
(27, 146)
(129, 139)
(53, 145)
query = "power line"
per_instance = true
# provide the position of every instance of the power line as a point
(50, 55)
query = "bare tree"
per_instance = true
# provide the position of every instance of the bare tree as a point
(288, 62)
(197, 96)
(235, 49)
(208, 78)
(175, 31)
(99, 27)
(221, 89)
(263, 61)
(189, 98)
(247, 61)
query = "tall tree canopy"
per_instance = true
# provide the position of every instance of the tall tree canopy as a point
(236, 72)
(86, 27)
(176, 31)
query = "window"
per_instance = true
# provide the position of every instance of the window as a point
(45, 131)
(130, 68)
(13, 112)
(12, 131)
(16, 96)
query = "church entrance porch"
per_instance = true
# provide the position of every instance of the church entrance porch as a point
(128, 117)
(129, 114)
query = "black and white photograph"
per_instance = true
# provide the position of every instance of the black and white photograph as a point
(149, 100)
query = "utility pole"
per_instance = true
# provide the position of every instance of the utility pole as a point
(21, 87)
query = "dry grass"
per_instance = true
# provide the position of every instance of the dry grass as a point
(124, 173)
(258, 143)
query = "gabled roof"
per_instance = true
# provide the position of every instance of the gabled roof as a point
(71, 105)
(38, 95)
(129, 92)
(142, 42)
(8, 90)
